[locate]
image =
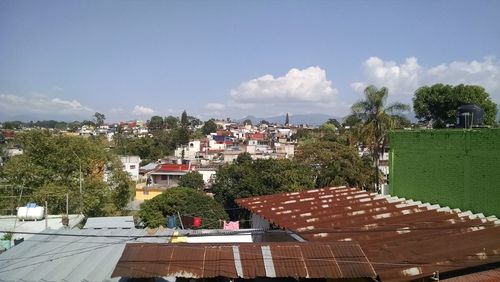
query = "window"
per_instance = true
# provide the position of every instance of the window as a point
(164, 177)
(132, 166)
(145, 192)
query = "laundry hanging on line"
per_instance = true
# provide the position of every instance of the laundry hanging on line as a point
(191, 221)
(231, 225)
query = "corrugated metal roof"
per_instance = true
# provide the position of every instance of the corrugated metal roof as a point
(81, 257)
(110, 222)
(11, 223)
(402, 238)
(299, 260)
(492, 275)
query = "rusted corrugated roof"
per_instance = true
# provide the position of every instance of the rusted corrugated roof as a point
(492, 275)
(402, 238)
(299, 260)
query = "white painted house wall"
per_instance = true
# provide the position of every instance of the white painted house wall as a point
(131, 166)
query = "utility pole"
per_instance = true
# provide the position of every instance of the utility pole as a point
(46, 216)
(81, 195)
(67, 204)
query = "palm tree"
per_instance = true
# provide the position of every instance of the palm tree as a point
(375, 118)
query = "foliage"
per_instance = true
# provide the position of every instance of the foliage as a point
(192, 179)
(328, 127)
(438, 104)
(335, 164)
(50, 167)
(148, 148)
(184, 201)
(99, 118)
(209, 127)
(171, 122)
(194, 122)
(7, 236)
(244, 158)
(48, 124)
(335, 122)
(247, 122)
(375, 119)
(156, 123)
(247, 178)
(184, 119)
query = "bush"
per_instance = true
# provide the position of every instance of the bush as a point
(184, 201)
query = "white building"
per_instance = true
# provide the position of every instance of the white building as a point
(131, 166)
(189, 152)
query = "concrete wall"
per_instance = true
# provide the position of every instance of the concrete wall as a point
(450, 167)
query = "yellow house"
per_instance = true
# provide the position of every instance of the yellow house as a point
(143, 192)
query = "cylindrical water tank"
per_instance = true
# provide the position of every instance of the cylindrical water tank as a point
(470, 115)
(30, 213)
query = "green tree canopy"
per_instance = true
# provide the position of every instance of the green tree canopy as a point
(185, 201)
(51, 164)
(171, 122)
(438, 104)
(148, 148)
(184, 119)
(156, 123)
(99, 119)
(260, 177)
(209, 127)
(192, 179)
(335, 164)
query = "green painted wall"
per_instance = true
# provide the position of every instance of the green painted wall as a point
(450, 167)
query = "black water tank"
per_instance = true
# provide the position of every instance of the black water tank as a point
(470, 115)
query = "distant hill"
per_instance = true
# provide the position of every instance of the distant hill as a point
(311, 119)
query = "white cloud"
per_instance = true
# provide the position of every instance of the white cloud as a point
(485, 73)
(215, 107)
(308, 85)
(403, 79)
(116, 110)
(400, 79)
(41, 104)
(142, 111)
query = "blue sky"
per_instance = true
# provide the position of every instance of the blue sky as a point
(133, 59)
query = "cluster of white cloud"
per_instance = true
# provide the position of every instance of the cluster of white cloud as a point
(143, 111)
(403, 79)
(215, 107)
(41, 104)
(309, 85)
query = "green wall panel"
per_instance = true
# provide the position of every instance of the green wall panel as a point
(455, 168)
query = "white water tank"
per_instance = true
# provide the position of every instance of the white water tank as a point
(30, 213)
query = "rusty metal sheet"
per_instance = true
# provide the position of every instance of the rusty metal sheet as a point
(403, 239)
(246, 260)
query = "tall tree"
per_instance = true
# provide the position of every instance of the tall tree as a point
(376, 117)
(171, 122)
(156, 123)
(287, 120)
(99, 118)
(209, 127)
(184, 119)
(438, 104)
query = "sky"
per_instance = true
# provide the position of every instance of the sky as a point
(132, 59)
